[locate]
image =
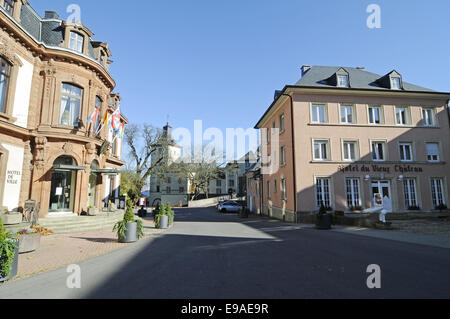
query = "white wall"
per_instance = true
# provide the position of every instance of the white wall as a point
(13, 179)
(22, 94)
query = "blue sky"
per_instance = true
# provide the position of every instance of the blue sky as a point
(220, 61)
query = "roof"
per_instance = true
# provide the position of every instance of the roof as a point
(317, 76)
(324, 77)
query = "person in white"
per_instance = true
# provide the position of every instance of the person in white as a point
(387, 208)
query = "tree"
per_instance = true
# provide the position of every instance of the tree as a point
(199, 174)
(144, 142)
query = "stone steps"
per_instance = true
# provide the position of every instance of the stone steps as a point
(64, 225)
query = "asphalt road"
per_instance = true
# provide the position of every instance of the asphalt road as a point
(211, 256)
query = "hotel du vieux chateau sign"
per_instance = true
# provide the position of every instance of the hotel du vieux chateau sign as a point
(375, 168)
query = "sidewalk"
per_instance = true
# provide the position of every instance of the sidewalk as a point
(61, 250)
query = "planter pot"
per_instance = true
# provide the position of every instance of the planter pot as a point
(14, 266)
(130, 234)
(29, 243)
(324, 221)
(163, 222)
(12, 219)
(93, 211)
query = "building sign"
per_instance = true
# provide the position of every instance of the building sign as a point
(13, 177)
(380, 169)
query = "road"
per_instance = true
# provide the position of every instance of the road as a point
(214, 256)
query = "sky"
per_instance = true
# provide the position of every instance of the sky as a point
(221, 61)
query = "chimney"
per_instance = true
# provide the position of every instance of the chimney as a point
(305, 69)
(51, 15)
(277, 94)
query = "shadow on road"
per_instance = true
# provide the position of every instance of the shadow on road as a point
(256, 258)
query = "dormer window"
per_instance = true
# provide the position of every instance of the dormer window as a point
(8, 5)
(396, 83)
(76, 42)
(343, 81)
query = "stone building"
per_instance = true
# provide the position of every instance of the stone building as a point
(53, 77)
(352, 140)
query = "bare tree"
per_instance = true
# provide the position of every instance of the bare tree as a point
(145, 142)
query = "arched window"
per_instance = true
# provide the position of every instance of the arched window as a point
(71, 97)
(5, 74)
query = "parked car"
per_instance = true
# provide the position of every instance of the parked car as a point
(229, 207)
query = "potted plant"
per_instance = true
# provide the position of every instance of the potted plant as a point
(162, 219)
(29, 240)
(11, 218)
(324, 219)
(130, 229)
(9, 254)
(170, 213)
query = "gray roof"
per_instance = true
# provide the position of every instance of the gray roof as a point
(46, 30)
(359, 79)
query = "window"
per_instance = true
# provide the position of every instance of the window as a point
(401, 115)
(8, 5)
(318, 113)
(275, 186)
(323, 192)
(350, 151)
(375, 115)
(231, 183)
(218, 191)
(433, 152)
(321, 150)
(5, 74)
(218, 183)
(396, 83)
(378, 151)
(409, 186)
(169, 180)
(268, 136)
(283, 189)
(353, 193)
(343, 81)
(282, 128)
(437, 192)
(70, 105)
(168, 190)
(268, 190)
(76, 42)
(428, 117)
(181, 190)
(406, 152)
(347, 114)
(283, 155)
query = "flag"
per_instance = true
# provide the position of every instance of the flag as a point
(93, 117)
(115, 120)
(103, 122)
(122, 131)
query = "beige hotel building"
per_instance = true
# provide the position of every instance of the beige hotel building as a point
(53, 76)
(348, 138)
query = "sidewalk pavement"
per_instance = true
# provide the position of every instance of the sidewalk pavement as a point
(439, 239)
(61, 250)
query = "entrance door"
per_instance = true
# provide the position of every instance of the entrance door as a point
(62, 191)
(380, 190)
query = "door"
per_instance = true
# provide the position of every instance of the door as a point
(92, 194)
(62, 192)
(380, 190)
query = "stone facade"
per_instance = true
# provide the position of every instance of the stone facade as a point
(34, 130)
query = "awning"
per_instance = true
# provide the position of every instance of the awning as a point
(106, 171)
(67, 168)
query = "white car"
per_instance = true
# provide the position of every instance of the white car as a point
(229, 207)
